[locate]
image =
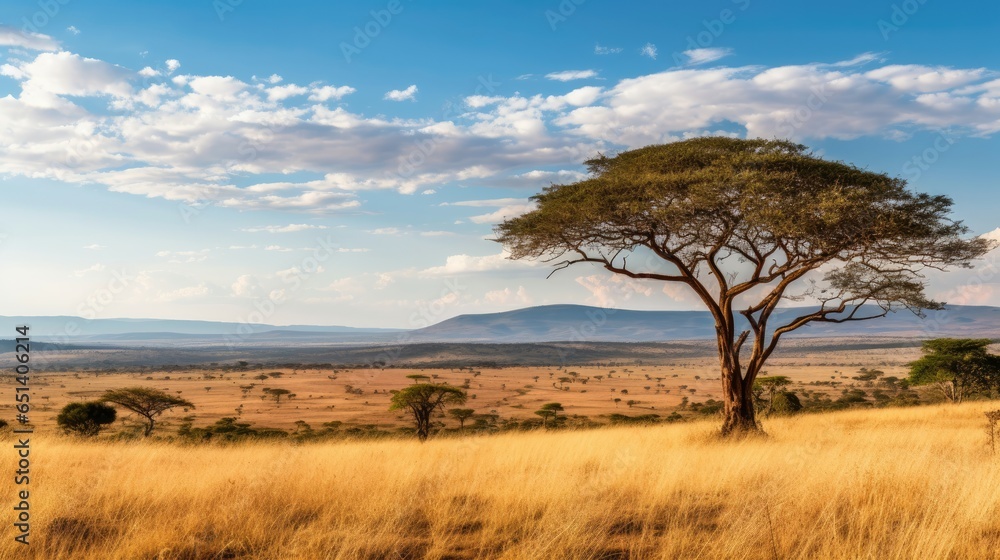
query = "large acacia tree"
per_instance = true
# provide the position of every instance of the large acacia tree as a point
(746, 224)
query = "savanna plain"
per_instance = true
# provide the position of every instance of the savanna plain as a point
(882, 481)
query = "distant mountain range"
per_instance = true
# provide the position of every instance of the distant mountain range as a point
(549, 323)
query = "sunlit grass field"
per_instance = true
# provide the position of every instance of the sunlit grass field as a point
(890, 483)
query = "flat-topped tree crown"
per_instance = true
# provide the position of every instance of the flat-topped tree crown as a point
(726, 216)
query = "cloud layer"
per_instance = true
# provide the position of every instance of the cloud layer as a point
(222, 140)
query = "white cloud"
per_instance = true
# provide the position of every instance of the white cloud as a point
(409, 93)
(246, 286)
(507, 296)
(172, 65)
(598, 49)
(460, 264)
(611, 291)
(93, 268)
(702, 56)
(94, 247)
(326, 93)
(503, 213)
(190, 292)
(180, 257)
(14, 37)
(568, 75)
(72, 29)
(290, 228)
(280, 93)
(436, 233)
(649, 49)
(386, 231)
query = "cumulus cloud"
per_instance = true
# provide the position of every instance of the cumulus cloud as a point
(408, 94)
(649, 49)
(217, 140)
(569, 75)
(507, 296)
(326, 93)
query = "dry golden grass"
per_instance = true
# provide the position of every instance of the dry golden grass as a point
(891, 483)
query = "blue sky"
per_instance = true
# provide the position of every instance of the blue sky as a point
(344, 164)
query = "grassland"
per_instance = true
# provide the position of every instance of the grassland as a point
(890, 483)
(512, 392)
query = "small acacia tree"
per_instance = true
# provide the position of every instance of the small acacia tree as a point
(146, 402)
(85, 418)
(957, 367)
(549, 410)
(461, 414)
(772, 384)
(739, 223)
(423, 399)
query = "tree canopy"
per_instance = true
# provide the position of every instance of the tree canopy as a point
(85, 418)
(423, 399)
(957, 367)
(146, 402)
(739, 222)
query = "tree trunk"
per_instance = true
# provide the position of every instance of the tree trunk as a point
(149, 426)
(737, 399)
(423, 424)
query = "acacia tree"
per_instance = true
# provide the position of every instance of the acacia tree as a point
(746, 225)
(146, 402)
(957, 367)
(461, 414)
(423, 400)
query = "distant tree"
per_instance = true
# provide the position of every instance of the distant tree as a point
(956, 367)
(422, 400)
(771, 384)
(549, 410)
(146, 402)
(278, 393)
(733, 219)
(785, 402)
(418, 378)
(461, 414)
(85, 418)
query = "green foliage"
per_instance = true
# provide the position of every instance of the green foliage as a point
(85, 418)
(620, 419)
(461, 414)
(228, 429)
(423, 399)
(785, 402)
(957, 367)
